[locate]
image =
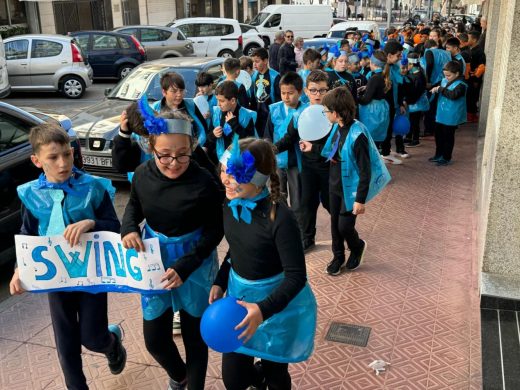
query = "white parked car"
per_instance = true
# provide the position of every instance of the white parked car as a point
(252, 39)
(39, 62)
(338, 30)
(5, 87)
(212, 37)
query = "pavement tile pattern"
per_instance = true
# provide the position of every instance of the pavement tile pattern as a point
(417, 289)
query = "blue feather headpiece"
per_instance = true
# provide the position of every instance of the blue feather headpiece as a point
(242, 165)
(157, 125)
(324, 50)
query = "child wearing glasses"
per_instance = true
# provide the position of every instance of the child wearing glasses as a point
(182, 206)
(229, 118)
(315, 169)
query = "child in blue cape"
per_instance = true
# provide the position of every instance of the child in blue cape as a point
(265, 270)
(181, 205)
(415, 98)
(451, 111)
(66, 201)
(311, 61)
(231, 69)
(357, 174)
(204, 84)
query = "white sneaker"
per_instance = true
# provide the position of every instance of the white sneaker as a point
(176, 323)
(392, 159)
(402, 155)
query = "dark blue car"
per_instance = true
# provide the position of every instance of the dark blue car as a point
(111, 55)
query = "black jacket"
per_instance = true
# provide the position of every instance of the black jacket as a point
(287, 59)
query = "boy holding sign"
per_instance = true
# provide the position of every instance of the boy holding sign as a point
(69, 202)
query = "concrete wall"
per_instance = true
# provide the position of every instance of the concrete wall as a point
(499, 182)
(48, 25)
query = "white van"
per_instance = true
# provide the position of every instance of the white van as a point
(339, 29)
(5, 87)
(306, 21)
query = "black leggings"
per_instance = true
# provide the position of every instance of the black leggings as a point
(159, 342)
(238, 373)
(343, 228)
(444, 140)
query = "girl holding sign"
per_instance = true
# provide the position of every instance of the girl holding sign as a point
(182, 205)
(265, 269)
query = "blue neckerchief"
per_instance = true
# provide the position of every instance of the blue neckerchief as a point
(227, 129)
(373, 72)
(65, 186)
(335, 146)
(247, 206)
(355, 74)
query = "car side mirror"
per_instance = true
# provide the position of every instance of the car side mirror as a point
(107, 91)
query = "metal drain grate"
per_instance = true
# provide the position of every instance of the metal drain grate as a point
(348, 334)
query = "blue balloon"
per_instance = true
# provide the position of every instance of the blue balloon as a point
(401, 125)
(218, 323)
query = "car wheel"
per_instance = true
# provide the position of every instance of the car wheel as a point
(124, 70)
(72, 87)
(226, 54)
(250, 49)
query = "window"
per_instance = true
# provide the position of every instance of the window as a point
(104, 42)
(274, 21)
(215, 72)
(154, 35)
(13, 132)
(180, 36)
(189, 30)
(41, 48)
(129, 31)
(215, 30)
(17, 50)
(82, 41)
(124, 43)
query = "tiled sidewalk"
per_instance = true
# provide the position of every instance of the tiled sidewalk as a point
(417, 290)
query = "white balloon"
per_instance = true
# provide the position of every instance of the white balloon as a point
(202, 104)
(313, 123)
(245, 79)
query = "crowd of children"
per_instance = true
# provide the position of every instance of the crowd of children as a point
(241, 171)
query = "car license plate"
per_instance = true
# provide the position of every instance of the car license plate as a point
(97, 161)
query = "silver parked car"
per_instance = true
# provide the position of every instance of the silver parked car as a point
(160, 42)
(41, 62)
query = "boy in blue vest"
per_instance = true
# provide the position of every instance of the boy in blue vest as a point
(204, 84)
(453, 47)
(451, 111)
(265, 88)
(229, 118)
(281, 116)
(357, 174)
(231, 68)
(311, 61)
(354, 68)
(315, 169)
(70, 202)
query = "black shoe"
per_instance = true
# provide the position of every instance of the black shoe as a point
(308, 245)
(407, 140)
(116, 358)
(356, 257)
(413, 144)
(262, 385)
(334, 267)
(434, 158)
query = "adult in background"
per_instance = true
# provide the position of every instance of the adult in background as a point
(298, 52)
(342, 8)
(274, 49)
(286, 57)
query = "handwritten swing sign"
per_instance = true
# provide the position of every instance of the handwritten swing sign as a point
(99, 263)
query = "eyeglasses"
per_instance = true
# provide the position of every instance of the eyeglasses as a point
(176, 91)
(166, 159)
(326, 111)
(314, 91)
(289, 36)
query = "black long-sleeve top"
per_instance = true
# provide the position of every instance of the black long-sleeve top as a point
(337, 79)
(243, 132)
(454, 94)
(414, 85)
(287, 59)
(312, 158)
(274, 49)
(430, 62)
(478, 57)
(175, 207)
(263, 249)
(375, 89)
(126, 156)
(362, 156)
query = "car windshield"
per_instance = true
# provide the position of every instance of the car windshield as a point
(336, 34)
(145, 80)
(259, 19)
